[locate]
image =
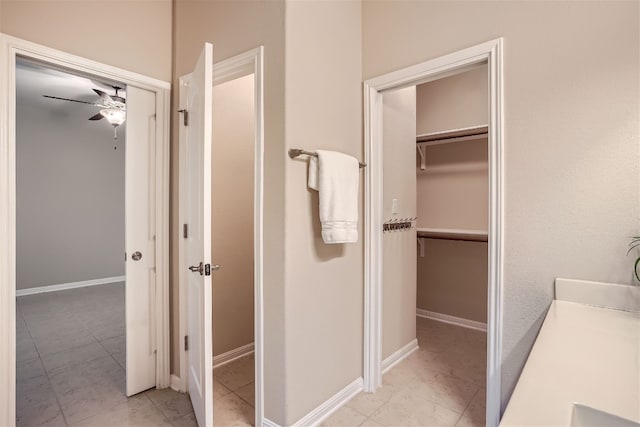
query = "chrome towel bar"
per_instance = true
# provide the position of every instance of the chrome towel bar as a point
(296, 152)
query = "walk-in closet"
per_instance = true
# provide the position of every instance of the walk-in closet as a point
(435, 232)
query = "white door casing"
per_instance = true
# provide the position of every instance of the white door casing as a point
(140, 289)
(249, 62)
(491, 53)
(198, 242)
(10, 48)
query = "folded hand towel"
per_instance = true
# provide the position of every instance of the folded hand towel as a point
(336, 177)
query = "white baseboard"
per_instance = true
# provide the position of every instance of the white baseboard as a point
(334, 403)
(399, 355)
(230, 356)
(72, 285)
(177, 384)
(458, 321)
(268, 423)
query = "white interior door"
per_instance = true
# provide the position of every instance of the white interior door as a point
(140, 240)
(198, 242)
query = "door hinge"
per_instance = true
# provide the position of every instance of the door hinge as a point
(207, 269)
(185, 116)
(185, 230)
(186, 343)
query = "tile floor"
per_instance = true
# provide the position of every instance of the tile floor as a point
(70, 351)
(234, 393)
(71, 368)
(441, 384)
(70, 372)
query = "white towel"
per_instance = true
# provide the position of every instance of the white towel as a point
(336, 177)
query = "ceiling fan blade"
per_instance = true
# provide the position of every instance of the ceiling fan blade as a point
(72, 100)
(103, 95)
(96, 117)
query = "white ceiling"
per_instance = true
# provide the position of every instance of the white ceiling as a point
(34, 80)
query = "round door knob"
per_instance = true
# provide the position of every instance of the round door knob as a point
(136, 256)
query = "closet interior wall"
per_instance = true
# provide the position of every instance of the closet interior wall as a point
(452, 193)
(232, 214)
(399, 247)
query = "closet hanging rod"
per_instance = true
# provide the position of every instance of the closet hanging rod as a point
(462, 134)
(296, 152)
(452, 234)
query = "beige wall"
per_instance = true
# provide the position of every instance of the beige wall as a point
(454, 102)
(324, 283)
(235, 27)
(453, 188)
(232, 213)
(571, 141)
(452, 279)
(399, 247)
(453, 193)
(70, 193)
(139, 31)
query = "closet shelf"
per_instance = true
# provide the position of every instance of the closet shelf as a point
(455, 135)
(453, 234)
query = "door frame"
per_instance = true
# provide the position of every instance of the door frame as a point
(250, 62)
(10, 47)
(491, 53)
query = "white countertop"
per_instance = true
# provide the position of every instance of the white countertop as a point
(584, 354)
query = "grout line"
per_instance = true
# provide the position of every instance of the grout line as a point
(46, 373)
(169, 420)
(468, 405)
(244, 400)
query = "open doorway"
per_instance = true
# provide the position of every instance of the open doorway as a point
(232, 200)
(84, 250)
(70, 238)
(386, 219)
(221, 303)
(434, 289)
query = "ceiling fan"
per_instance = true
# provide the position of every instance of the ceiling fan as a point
(113, 107)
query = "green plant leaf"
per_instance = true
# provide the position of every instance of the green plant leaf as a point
(632, 247)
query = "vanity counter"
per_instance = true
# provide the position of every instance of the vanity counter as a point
(584, 354)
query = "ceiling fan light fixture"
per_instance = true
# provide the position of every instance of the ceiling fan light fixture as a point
(114, 116)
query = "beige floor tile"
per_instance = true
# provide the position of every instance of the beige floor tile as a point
(186, 421)
(36, 404)
(26, 349)
(408, 410)
(370, 423)
(135, 412)
(26, 370)
(121, 358)
(237, 373)
(445, 390)
(344, 417)
(83, 375)
(172, 404)
(475, 414)
(367, 403)
(219, 389)
(82, 403)
(57, 342)
(49, 327)
(49, 416)
(229, 410)
(248, 393)
(469, 368)
(400, 375)
(108, 330)
(115, 345)
(73, 356)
